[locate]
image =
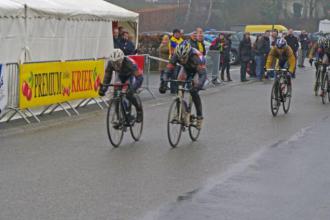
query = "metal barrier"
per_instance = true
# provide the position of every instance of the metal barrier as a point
(212, 65)
(13, 71)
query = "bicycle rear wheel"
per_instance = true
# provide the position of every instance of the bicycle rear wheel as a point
(193, 130)
(324, 89)
(317, 82)
(115, 125)
(136, 127)
(286, 93)
(174, 122)
(274, 99)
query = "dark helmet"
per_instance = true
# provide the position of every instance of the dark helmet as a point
(182, 51)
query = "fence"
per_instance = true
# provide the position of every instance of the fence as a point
(19, 81)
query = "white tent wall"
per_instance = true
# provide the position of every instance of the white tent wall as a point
(54, 39)
(11, 30)
(70, 29)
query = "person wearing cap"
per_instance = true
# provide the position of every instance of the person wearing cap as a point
(175, 40)
(126, 45)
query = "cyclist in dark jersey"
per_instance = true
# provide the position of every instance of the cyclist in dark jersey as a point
(127, 71)
(193, 67)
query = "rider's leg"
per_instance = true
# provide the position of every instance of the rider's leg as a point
(199, 80)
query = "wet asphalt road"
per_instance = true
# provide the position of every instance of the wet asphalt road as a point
(70, 171)
(289, 180)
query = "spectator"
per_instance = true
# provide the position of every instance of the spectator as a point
(126, 45)
(292, 42)
(260, 48)
(225, 57)
(175, 40)
(193, 40)
(304, 42)
(182, 33)
(273, 37)
(164, 53)
(216, 47)
(245, 50)
(121, 30)
(116, 38)
(267, 40)
(200, 41)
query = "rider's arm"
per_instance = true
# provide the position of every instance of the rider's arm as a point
(270, 59)
(291, 60)
(108, 73)
(172, 64)
(312, 51)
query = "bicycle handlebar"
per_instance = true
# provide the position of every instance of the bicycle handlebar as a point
(284, 70)
(116, 84)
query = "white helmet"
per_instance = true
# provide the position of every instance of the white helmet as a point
(116, 55)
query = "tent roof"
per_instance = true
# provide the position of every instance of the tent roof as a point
(10, 8)
(77, 9)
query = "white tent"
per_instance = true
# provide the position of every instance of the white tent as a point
(58, 29)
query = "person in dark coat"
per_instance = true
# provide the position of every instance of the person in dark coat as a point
(225, 58)
(304, 42)
(116, 38)
(292, 41)
(260, 50)
(126, 45)
(245, 52)
(193, 40)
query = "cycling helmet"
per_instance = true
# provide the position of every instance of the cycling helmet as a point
(182, 51)
(321, 40)
(116, 57)
(326, 43)
(281, 43)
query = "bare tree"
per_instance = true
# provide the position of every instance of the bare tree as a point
(209, 14)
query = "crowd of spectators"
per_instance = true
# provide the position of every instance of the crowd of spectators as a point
(121, 40)
(252, 51)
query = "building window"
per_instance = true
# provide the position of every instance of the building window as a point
(297, 9)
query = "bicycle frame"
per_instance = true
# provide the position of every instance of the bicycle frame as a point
(119, 95)
(181, 90)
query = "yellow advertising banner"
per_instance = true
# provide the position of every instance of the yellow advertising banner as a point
(55, 82)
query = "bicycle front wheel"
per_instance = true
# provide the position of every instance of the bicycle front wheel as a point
(115, 125)
(174, 122)
(325, 89)
(274, 99)
(286, 93)
(136, 127)
(193, 130)
(317, 82)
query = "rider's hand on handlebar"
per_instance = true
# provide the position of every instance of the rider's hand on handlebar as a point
(311, 62)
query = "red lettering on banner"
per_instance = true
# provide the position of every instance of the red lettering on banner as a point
(82, 81)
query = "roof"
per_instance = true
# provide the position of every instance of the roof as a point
(73, 9)
(10, 8)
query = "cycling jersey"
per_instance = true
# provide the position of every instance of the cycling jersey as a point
(195, 64)
(285, 56)
(194, 69)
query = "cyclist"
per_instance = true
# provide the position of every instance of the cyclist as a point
(285, 56)
(193, 67)
(322, 52)
(317, 51)
(127, 71)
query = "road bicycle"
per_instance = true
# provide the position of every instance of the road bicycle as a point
(182, 114)
(122, 115)
(325, 87)
(318, 77)
(281, 91)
